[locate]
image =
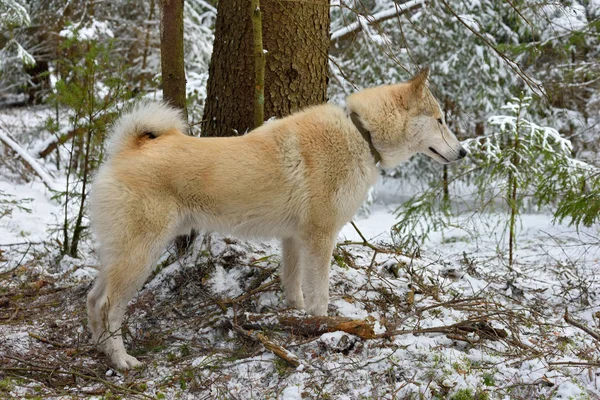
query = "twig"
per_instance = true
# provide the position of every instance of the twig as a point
(378, 17)
(2, 274)
(45, 340)
(279, 351)
(575, 363)
(20, 244)
(14, 314)
(246, 295)
(366, 243)
(470, 301)
(579, 325)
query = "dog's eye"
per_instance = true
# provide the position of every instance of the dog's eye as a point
(440, 121)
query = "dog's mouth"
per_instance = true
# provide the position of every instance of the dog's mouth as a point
(434, 151)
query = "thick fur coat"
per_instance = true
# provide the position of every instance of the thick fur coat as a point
(300, 178)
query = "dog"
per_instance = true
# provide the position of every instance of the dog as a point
(300, 178)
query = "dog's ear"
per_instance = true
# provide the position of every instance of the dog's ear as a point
(417, 82)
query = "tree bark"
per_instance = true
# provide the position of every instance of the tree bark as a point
(171, 54)
(229, 108)
(296, 38)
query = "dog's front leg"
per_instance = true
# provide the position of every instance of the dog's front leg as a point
(317, 249)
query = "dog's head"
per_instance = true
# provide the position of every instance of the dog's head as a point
(405, 119)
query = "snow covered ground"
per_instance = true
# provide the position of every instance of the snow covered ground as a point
(456, 322)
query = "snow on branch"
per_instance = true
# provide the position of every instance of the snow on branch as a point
(381, 16)
(46, 178)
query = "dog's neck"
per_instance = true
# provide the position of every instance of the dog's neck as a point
(366, 134)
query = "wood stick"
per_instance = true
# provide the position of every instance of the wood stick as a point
(279, 351)
(579, 325)
(274, 348)
(312, 326)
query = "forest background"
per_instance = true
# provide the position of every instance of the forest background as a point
(519, 83)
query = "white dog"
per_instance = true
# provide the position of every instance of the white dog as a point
(300, 178)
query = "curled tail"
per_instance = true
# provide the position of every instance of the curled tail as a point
(150, 118)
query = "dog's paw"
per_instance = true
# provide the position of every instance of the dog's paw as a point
(318, 310)
(125, 361)
(295, 300)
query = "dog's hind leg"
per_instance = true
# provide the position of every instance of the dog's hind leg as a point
(317, 249)
(118, 282)
(291, 276)
(131, 240)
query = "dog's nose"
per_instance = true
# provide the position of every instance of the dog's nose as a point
(462, 153)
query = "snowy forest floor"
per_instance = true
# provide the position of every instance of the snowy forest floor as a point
(456, 322)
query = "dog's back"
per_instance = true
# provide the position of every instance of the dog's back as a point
(267, 183)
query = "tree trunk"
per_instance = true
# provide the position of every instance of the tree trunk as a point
(173, 76)
(229, 107)
(296, 37)
(171, 54)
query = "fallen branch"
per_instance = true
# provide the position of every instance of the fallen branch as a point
(55, 141)
(24, 155)
(311, 326)
(376, 18)
(274, 348)
(483, 329)
(579, 325)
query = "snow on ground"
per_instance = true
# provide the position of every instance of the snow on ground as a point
(457, 322)
(31, 222)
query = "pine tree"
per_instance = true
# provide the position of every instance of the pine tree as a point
(296, 40)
